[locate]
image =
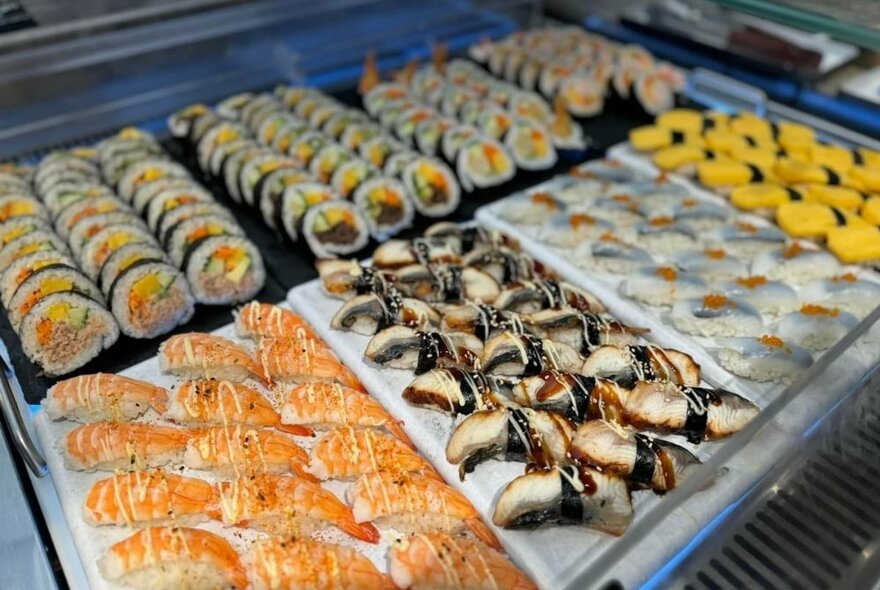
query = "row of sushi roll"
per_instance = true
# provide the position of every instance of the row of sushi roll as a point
(50, 300)
(533, 370)
(582, 69)
(768, 302)
(779, 169)
(486, 127)
(244, 437)
(301, 158)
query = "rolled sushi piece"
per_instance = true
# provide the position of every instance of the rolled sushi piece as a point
(764, 358)
(178, 238)
(80, 210)
(124, 257)
(272, 190)
(531, 145)
(397, 163)
(147, 171)
(255, 171)
(583, 95)
(386, 205)
(85, 229)
(102, 244)
(36, 241)
(149, 298)
(494, 122)
(145, 193)
(180, 122)
(19, 205)
(297, 200)
(335, 228)
(233, 165)
(654, 93)
(50, 169)
(379, 149)
(455, 139)
(224, 269)
(22, 268)
(18, 227)
(306, 146)
(483, 162)
(406, 124)
(377, 99)
(170, 199)
(65, 330)
(327, 161)
(432, 186)
(350, 175)
(357, 134)
(62, 196)
(429, 132)
(49, 279)
(816, 327)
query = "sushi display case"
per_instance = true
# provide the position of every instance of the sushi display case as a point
(664, 523)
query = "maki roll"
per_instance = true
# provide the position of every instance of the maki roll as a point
(144, 195)
(147, 171)
(53, 278)
(182, 235)
(273, 188)
(75, 213)
(149, 298)
(351, 175)
(22, 268)
(88, 227)
(357, 134)
(389, 116)
(20, 205)
(433, 187)
(230, 107)
(61, 196)
(216, 137)
(454, 98)
(483, 162)
(327, 161)
(224, 152)
(273, 124)
(255, 171)
(495, 122)
(65, 170)
(288, 134)
(377, 99)
(65, 330)
(386, 206)
(335, 228)
(337, 125)
(171, 199)
(291, 96)
(18, 227)
(583, 95)
(124, 257)
(171, 217)
(396, 163)
(531, 145)
(36, 241)
(324, 113)
(233, 166)
(296, 201)
(455, 138)
(429, 133)
(531, 106)
(109, 239)
(406, 124)
(223, 269)
(306, 146)
(180, 123)
(654, 93)
(377, 150)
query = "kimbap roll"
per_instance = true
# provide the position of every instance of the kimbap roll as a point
(22, 268)
(273, 188)
(220, 156)
(296, 201)
(306, 146)
(223, 269)
(233, 166)
(216, 137)
(178, 238)
(385, 203)
(172, 217)
(88, 227)
(351, 175)
(124, 257)
(18, 227)
(106, 241)
(288, 134)
(181, 122)
(337, 125)
(428, 134)
(65, 330)
(171, 199)
(377, 99)
(255, 171)
(230, 107)
(291, 96)
(483, 162)
(49, 279)
(532, 106)
(455, 138)
(377, 150)
(335, 228)
(73, 214)
(61, 196)
(147, 192)
(433, 187)
(149, 298)
(36, 241)
(584, 96)
(357, 134)
(147, 171)
(530, 145)
(495, 122)
(406, 124)
(397, 163)
(327, 161)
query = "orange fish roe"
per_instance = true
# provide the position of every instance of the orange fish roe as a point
(578, 173)
(661, 221)
(771, 341)
(544, 199)
(792, 250)
(578, 219)
(812, 309)
(848, 277)
(747, 227)
(689, 203)
(715, 301)
(667, 273)
(751, 282)
(661, 178)
(715, 253)
(609, 237)
(621, 198)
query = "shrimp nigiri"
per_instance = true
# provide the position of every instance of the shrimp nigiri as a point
(328, 405)
(256, 320)
(279, 564)
(103, 396)
(208, 401)
(441, 562)
(303, 360)
(194, 356)
(413, 503)
(108, 446)
(286, 505)
(238, 450)
(148, 497)
(347, 453)
(171, 558)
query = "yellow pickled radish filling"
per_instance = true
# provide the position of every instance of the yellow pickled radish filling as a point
(231, 261)
(871, 210)
(805, 219)
(129, 133)
(84, 152)
(151, 174)
(61, 311)
(270, 166)
(855, 244)
(47, 287)
(674, 157)
(684, 120)
(15, 233)
(760, 196)
(147, 288)
(836, 196)
(129, 260)
(34, 247)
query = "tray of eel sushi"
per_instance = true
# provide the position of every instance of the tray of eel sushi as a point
(252, 457)
(754, 307)
(525, 394)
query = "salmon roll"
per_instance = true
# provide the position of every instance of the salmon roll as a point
(53, 278)
(65, 330)
(149, 298)
(223, 269)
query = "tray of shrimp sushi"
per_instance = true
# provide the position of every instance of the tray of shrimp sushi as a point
(562, 424)
(251, 457)
(755, 307)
